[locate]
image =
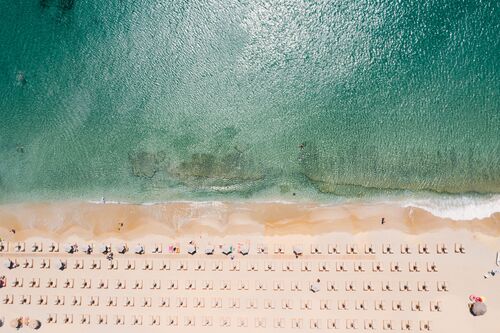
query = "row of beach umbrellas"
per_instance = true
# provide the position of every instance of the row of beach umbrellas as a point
(139, 249)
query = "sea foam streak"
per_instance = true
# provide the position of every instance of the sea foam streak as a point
(458, 208)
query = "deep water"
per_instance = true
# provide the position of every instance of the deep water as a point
(155, 100)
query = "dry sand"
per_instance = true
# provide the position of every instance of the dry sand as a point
(265, 223)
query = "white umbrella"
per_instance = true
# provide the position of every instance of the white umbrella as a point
(209, 249)
(139, 249)
(104, 248)
(297, 250)
(9, 264)
(227, 249)
(61, 265)
(69, 248)
(191, 249)
(314, 287)
(87, 248)
(122, 248)
(244, 250)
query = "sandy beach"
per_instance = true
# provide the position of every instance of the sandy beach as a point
(277, 225)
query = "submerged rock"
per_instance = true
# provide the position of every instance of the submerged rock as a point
(145, 164)
(21, 78)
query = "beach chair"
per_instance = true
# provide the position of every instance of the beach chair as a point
(331, 286)
(405, 249)
(423, 249)
(279, 323)
(297, 323)
(119, 320)
(377, 267)
(333, 249)
(369, 249)
(332, 324)
(397, 306)
(51, 318)
(269, 304)
(85, 319)
(416, 306)
(315, 324)
(369, 324)
(351, 249)
(343, 305)
(406, 325)
(225, 322)
(387, 325)
(207, 321)
(164, 302)
(325, 305)
(172, 321)
(387, 249)
(380, 305)
(306, 305)
(425, 325)
(242, 322)
(234, 303)
(351, 324)
(368, 286)
(136, 320)
(295, 286)
(182, 302)
(68, 319)
(361, 305)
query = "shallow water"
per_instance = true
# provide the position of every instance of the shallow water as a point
(293, 100)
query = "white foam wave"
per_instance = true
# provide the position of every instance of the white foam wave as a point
(458, 208)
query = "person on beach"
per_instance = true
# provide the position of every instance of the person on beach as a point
(383, 220)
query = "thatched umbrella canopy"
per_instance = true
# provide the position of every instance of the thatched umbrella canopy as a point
(478, 309)
(35, 324)
(16, 323)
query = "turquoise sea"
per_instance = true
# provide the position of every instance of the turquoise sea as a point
(158, 100)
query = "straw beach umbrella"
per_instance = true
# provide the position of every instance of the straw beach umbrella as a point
(478, 309)
(16, 323)
(35, 324)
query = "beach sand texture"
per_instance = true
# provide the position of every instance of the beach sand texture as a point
(342, 246)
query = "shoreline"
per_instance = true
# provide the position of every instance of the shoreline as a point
(96, 220)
